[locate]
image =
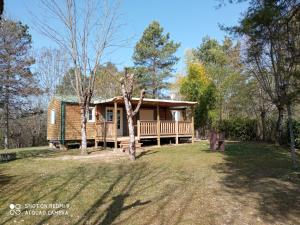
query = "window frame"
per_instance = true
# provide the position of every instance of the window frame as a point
(52, 117)
(93, 115)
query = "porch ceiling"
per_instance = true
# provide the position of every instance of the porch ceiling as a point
(149, 102)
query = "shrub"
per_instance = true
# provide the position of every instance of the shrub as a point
(296, 129)
(243, 129)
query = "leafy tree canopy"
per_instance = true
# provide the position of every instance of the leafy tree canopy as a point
(197, 86)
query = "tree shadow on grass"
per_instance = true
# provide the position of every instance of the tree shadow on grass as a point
(117, 207)
(146, 153)
(264, 173)
(121, 192)
(129, 182)
(5, 179)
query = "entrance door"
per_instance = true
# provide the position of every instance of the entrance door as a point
(110, 118)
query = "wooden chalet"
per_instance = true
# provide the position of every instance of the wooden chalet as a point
(107, 121)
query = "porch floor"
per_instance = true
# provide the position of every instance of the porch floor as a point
(126, 138)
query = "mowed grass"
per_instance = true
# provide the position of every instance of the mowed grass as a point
(248, 184)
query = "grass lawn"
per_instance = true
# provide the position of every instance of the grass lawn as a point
(248, 184)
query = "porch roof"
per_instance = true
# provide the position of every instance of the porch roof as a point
(148, 102)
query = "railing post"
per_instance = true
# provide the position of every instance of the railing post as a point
(177, 131)
(104, 134)
(96, 135)
(96, 130)
(115, 124)
(138, 129)
(193, 132)
(158, 125)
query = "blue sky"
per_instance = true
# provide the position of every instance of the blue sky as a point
(187, 21)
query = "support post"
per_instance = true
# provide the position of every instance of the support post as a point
(104, 134)
(96, 143)
(138, 129)
(115, 124)
(158, 125)
(193, 129)
(177, 132)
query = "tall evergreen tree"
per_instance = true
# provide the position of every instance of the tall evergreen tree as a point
(16, 79)
(154, 56)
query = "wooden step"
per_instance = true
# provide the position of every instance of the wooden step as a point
(125, 145)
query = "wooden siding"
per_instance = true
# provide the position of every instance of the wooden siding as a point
(73, 124)
(53, 130)
(73, 121)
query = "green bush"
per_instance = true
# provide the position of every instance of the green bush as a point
(242, 129)
(296, 129)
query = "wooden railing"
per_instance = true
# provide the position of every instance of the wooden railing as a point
(184, 128)
(166, 128)
(104, 129)
(147, 128)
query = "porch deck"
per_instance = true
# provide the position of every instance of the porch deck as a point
(146, 129)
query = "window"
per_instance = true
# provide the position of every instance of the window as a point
(91, 114)
(109, 115)
(176, 115)
(52, 117)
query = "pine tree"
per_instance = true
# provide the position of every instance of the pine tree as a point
(154, 57)
(16, 79)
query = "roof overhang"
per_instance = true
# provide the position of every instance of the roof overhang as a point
(148, 102)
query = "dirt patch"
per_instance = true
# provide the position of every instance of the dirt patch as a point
(103, 155)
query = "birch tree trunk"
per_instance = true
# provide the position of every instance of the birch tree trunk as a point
(127, 89)
(83, 130)
(132, 146)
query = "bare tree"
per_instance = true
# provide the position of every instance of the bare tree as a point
(51, 66)
(127, 83)
(84, 30)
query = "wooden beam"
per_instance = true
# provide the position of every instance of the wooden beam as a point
(177, 131)
(138, 129)
(193, 129)
(158, 125)
(104, 134)
(115, 124)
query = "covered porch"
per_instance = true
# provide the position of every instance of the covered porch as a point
(157, 127)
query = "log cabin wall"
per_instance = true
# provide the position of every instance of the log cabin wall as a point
(53, 130)
(73, 123)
